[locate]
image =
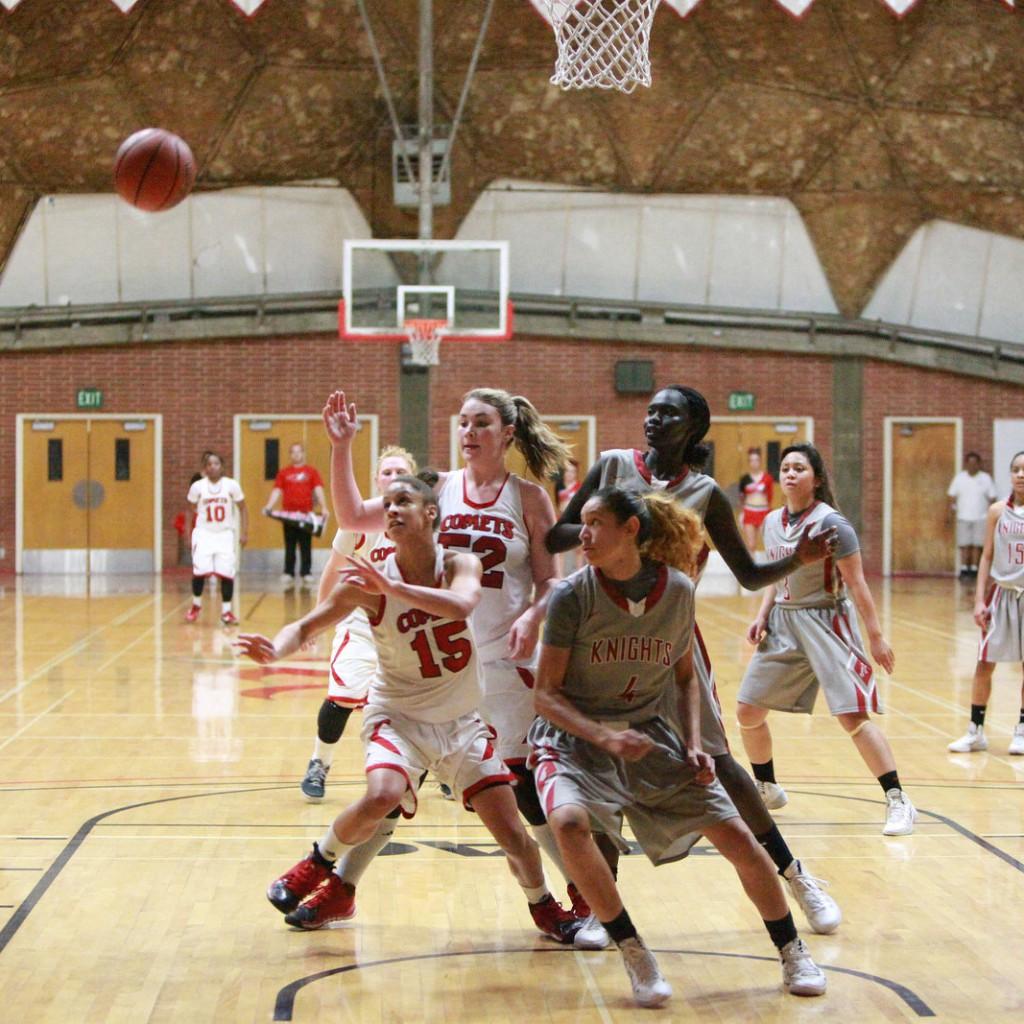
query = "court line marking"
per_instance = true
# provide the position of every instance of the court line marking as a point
(42, 714)
(77, 648)
(284, 1005)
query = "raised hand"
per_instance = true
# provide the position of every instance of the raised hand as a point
(255, 646)
(340, 419)
(813, 549)
(363, 574)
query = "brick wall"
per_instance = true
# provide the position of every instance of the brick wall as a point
(199, 386)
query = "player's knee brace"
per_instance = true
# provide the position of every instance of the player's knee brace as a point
(526, 795)
(853, 732)
(330, 722)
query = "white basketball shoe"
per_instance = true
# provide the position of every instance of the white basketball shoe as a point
(822, 912)
(772, 794)
(972, 740)
(801, 976)
(1017, 743)
(649, 987)
(900, 815)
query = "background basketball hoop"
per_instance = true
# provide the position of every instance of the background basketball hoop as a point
(602, 44)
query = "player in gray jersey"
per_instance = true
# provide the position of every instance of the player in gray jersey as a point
(619, 635)
(677, 420)
(807, 637)
(999, 609)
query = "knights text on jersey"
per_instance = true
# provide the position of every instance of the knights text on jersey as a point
(495, 532)
(428, 668)
(623, 654)
(215, 503)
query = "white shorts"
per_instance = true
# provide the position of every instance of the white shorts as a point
(460, 753)
(1004, 638)
(353, 667)
(970, 533)
(507, 706)
(213, 554)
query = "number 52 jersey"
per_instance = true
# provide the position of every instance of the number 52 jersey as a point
(428, 668)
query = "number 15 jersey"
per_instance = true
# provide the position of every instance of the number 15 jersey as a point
(495, 532)
(427, 665)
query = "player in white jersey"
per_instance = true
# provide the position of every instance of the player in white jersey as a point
(677, 419)
(502, 519)
(618, 651)
(421, 711)
(999, 609)
(807, 637)
(353, 655)
(214, 500)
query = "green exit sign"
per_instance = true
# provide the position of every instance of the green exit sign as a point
(741, 401)
(89, 398)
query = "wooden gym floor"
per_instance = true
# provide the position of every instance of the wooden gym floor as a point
(150, 793)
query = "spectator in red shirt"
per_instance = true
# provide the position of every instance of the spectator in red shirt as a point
(303, 491)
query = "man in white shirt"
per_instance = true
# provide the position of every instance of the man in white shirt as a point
(970, 494)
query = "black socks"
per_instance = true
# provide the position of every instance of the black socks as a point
(764, 772)
(621, 928)
(890, 780)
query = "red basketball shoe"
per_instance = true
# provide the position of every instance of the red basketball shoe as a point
(193, 613)
(228, 618)
(298, 882)
(335, 900)
(554, 920)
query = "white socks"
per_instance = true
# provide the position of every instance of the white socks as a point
(358, 858)
(324, 753)
(330, 846)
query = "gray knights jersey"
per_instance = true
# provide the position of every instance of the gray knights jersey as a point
(623, 653)
(818, 584)
(625, 467)
(1008, 547)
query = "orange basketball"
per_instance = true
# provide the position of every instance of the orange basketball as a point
(154, 169)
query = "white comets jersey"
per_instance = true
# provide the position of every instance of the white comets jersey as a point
(817, 584)
(1008, 547)
(373, 546)
(623, 656)
(215, 503)
(495, 532)
(427, 665)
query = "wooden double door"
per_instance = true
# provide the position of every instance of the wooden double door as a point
(262, 443)
(89, 494)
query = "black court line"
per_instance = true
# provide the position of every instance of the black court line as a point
(48, 839)
(259, 601)
(20, 869)
(1005, 857)
(284, 1005)
(28, 904)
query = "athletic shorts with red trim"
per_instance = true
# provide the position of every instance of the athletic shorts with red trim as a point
(807, 648)
(460, 753)
(1003, 640)
(507, 706)
(667, 809)
(213, 554)
(353, 668)
(755, 516)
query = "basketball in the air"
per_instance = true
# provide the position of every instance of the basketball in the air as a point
(154, 169)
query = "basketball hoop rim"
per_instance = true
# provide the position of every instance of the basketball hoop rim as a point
(348, 335)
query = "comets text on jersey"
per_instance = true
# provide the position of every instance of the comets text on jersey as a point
(479, 522)
(650, 649)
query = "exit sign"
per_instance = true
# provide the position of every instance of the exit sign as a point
(741, 401)
(89, 398)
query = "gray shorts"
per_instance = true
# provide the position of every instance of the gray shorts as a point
(805, 648)
(667, 810)
(970, 533)
(1002, 641)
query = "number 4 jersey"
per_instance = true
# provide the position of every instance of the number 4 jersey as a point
(428, 668)
(495, 532)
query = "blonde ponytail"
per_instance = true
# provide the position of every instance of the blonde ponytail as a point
(676, 533)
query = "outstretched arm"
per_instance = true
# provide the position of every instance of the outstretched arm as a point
(353, 512)
(565, 534)
(720, 523)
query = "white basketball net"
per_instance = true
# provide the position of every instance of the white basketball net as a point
(602, 44)
(425, 340)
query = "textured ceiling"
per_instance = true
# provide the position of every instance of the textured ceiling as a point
(869, 123)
